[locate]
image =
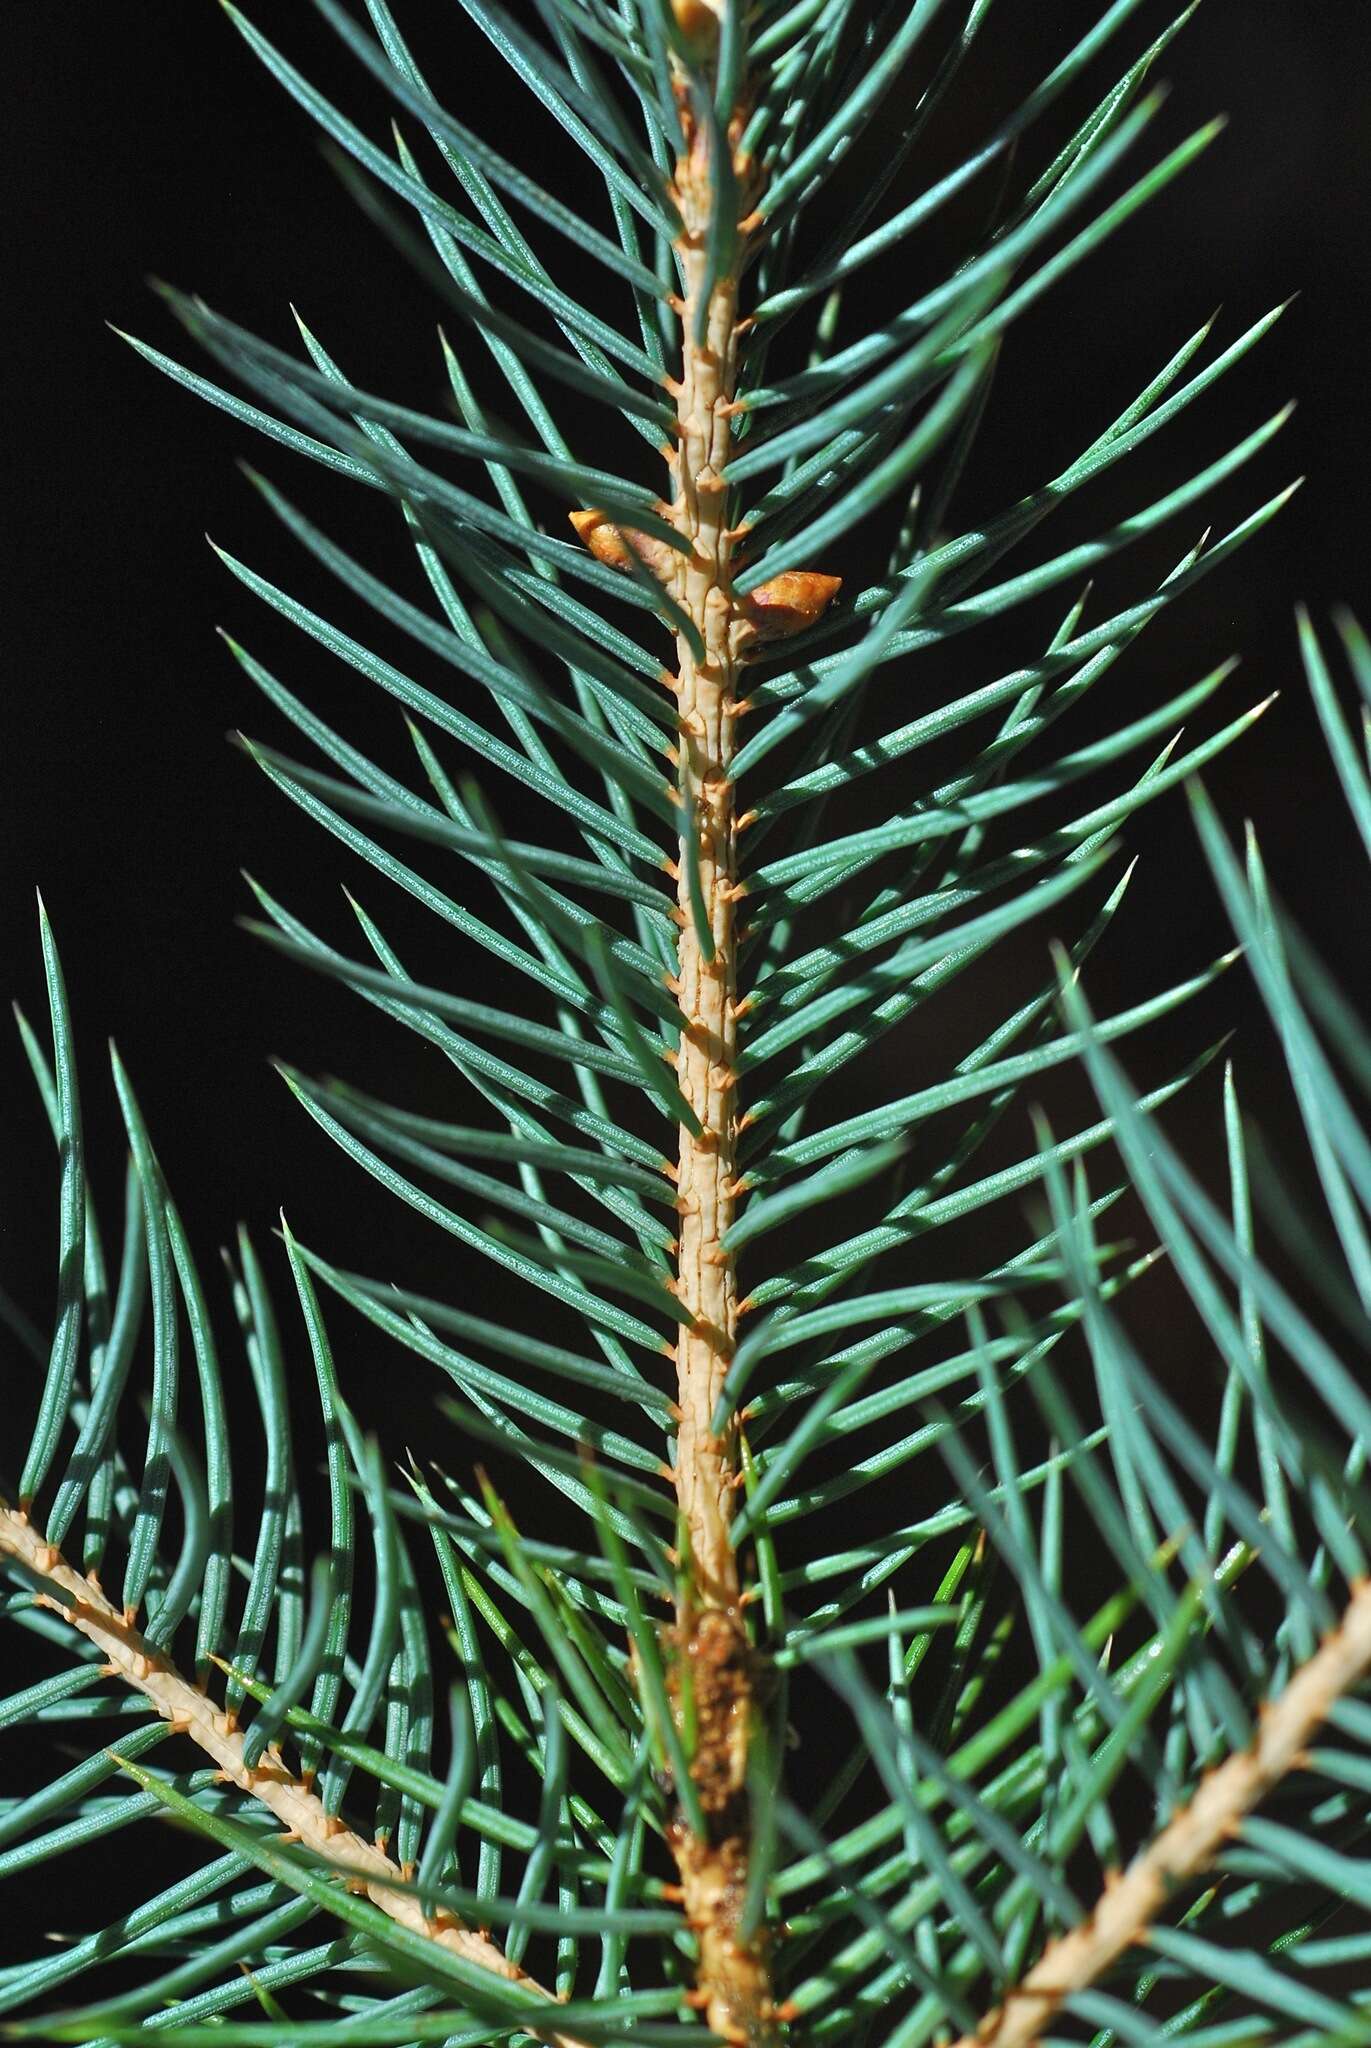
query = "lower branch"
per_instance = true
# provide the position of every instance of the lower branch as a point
(1191, 1840)
(188, 1711)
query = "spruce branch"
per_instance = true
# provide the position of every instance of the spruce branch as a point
(1191, 1839)
(661, 1045)
(189, 1711)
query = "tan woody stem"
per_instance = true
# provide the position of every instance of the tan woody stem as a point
(1190, 1841)
(715, 1664)
(706, 1282)
(188, 1711)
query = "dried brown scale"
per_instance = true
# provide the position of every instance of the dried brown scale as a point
(711, 1658)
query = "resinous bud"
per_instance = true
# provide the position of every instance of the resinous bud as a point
(790, 603)
(617, 546)
(697, 23)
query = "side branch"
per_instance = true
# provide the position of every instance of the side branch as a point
(1190, 1840)
(188, 1711)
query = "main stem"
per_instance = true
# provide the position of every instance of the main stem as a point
(706, 1281)
(715, 1664)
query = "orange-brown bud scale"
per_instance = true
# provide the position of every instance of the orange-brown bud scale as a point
(617, 546)
(697, 21)
(790, 603)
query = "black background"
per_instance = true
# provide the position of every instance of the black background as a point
(146, 140)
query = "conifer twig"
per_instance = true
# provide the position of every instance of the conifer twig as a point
(713, 1657)
(1190, 1840)
(189, 1711)
(713, 1663)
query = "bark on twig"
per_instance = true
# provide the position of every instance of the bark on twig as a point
(712, 1654)
(188, 1711)
(1190, 1841)
(713, 1664)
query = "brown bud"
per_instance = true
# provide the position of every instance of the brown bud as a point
(790, 603)
(616, 546)
(698, 23)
